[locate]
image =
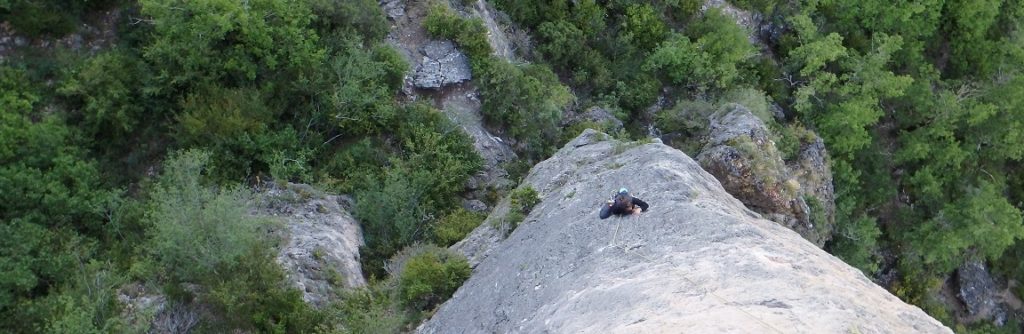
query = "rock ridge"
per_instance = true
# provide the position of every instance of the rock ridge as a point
(698, 261)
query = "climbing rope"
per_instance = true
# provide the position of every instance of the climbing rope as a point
(687, 279)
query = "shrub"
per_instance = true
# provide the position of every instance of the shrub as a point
(196, 229)
(521, 202)
(708, 58)
(106, 89)
(469, 34)
(527, 100)
(371, 310)
(429, 275)
(455, 226)
(230, 42)
(254, 294)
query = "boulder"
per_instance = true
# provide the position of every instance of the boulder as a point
(978, 292)
(698, 261)
(442, 65)
(321, 250)
(394, 9)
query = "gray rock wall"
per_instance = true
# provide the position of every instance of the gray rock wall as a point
(697, 262)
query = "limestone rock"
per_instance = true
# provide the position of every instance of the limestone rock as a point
(742, 156)
(978, 292)
(698, 261)
(394, 9)
(323, 239)
(442, 65)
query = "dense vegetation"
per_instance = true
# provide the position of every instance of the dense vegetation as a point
(111, 160)
(137, 163)
(919, 104)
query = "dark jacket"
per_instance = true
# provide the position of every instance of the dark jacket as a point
(620, 209)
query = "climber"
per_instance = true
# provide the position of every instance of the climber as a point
(622, 204)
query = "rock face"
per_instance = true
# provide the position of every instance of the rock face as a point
(322, 248)
(978, 293)
(742, 156)
(442, 65)
(698, 261)
(394, 9)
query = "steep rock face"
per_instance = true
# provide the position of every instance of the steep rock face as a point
(322, 241)
(697, 261)
(742, 156)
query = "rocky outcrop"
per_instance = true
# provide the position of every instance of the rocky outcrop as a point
(698, 261)
(321, 248)
(147, 310)
(394, 9)
(442, 65)
(98, 33)
(978, 292)
(741, 155)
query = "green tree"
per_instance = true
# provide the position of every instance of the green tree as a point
(229, 41)
(709, 58)
(642, 27)
(106, 89)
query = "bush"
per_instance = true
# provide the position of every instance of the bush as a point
(371, 310)
(469, 34)
(521, 202)
(198, 230)
(229, 42)
(429, 275)
(255, 294)
(106, 90)
(455, 226)
(527, 100)
(708, 58)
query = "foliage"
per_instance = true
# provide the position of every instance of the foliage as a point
(258, 296)
(521, 202)
(709, 61)
(527, 100)
(371, 310)
(228, 41)
(360, 84)
(206, 236)
(53, 203)
(430, 275)
(469, 34)
(198, 230)
(455, 226)
(105, 87)
(48, 18)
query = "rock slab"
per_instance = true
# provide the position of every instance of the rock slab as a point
(697, 262)
(442, 65)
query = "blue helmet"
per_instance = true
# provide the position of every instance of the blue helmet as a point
(623, 191)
